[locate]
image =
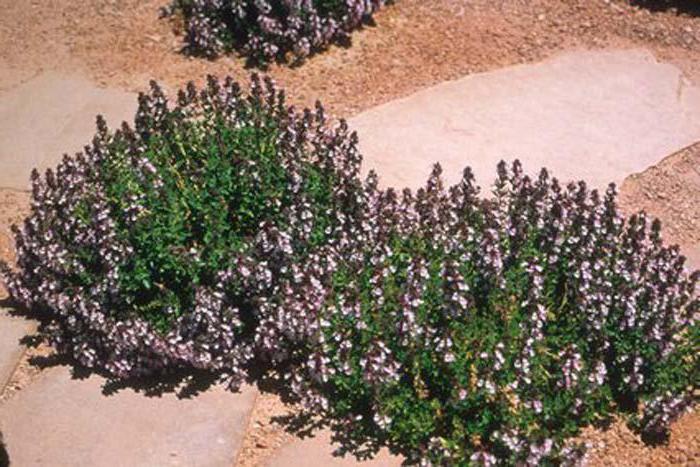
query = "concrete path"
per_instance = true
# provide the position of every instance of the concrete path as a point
(49, 116)
(12, 329)
(597, 116)
(61, 422)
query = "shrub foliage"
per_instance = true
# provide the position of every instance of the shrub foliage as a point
(464, 330)
(231, 233)
(267, 30)
(148, 249)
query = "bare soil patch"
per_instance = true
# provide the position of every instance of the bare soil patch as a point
(670, 191)
(14, 206)
(415, 44)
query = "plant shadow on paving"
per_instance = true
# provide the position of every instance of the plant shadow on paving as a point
(304, 424)
(4, 457)
(185, 384)
(688, 7)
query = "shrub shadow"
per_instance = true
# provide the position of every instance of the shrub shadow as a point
(189, 383)
(657, 438)
(688, 7)
(303, 424)
(4, 456)
(184, 383)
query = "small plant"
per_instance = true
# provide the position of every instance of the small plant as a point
(148, 251)
(478, 331)
(267, 30)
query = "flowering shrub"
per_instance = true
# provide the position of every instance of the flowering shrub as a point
(232, 234)
(457, 330)
(147, 251)
(269, 29)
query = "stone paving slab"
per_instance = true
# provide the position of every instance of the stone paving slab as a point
(62, 422)
(12, 329)
(598, 116)
(318, 452)
(50, 115)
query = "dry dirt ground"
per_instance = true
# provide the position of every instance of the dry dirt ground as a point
(416, 43)
(670, 191)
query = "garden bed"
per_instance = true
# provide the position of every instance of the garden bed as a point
(363, 76)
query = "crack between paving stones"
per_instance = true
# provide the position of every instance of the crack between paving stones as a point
(680, 87)
(247, 428)
(15, 369)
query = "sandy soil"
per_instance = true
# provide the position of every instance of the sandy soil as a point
(620, 447)
(14, 206)
(415, 44)
(670, 191)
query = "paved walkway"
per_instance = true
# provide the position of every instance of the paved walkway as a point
(597, 116)
(594, 115)
(12, 329)
(49, 116)
(62, 422)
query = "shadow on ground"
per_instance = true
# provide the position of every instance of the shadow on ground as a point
(4, 457)
(190, 383)
(688, 7)
(184, 383)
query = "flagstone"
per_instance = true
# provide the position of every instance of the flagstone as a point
(593, 115)
(60, 421)
(50, 115)
(12, 329)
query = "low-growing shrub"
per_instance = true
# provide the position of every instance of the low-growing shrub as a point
(232, 234)
(467, 331)
(267, 30)
(147, 252)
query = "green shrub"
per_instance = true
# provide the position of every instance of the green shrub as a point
(469, 331)
(148, 251)
(232, 234)
(267, 30)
